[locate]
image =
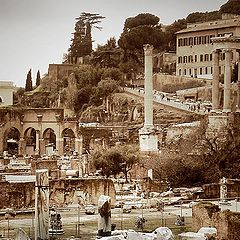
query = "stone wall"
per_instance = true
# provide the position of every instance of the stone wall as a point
(160, 80)
(62, 192)
(213, 190)
(226, 222)
(59, 71)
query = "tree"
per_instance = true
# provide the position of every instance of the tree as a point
(140, 30)
(38, 78)
(28, 85)
(116, 160)
(107, 55)
(201, 158)
(232, 6)
(82, 39)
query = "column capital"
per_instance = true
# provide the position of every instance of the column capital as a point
(148, 49)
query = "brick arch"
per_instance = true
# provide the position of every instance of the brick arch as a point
(11, 139)
(69, 138)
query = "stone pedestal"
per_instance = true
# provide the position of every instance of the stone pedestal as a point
(148, 140)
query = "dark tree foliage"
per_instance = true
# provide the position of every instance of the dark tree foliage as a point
(82, 38)
(107, 55)
(232, 6)
(203, 17)
(170, 37)
(82, 98)
(38, 78)
(28, 85)
(140, 30)
(141, 19)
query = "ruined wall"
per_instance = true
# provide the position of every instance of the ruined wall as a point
(202, 214)
(226, 222)
(213, 190)
(62, 192)
(59, 71)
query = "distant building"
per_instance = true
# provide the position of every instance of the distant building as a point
(6, 93)
(59, 71)
(194, 47)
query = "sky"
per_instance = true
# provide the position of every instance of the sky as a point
(36, 33)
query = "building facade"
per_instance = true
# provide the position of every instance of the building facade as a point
(194, 46)
(6, 93)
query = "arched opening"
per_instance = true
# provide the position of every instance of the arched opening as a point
(68, 140)
(11, 140)
(30, 139)
(49, 141)
(1, 100)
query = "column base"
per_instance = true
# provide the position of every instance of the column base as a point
(148, 139)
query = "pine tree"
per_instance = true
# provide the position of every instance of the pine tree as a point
(82, 38)
(28, 85)
(38, 79)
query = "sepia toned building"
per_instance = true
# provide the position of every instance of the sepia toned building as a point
(194, 46)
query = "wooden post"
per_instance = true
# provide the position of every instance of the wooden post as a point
(41, 205)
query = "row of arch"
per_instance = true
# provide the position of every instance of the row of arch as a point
(12, 137)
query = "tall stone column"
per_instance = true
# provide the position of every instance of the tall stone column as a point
(147, 135)
(215, 81)
(37, 150)
(148, 86)
(227, 81)
(22, 146)
(42, 204)
(238, 84)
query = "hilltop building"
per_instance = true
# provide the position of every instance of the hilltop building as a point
(194, 46)
(6, 93)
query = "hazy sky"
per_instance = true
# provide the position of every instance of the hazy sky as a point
(34, 33)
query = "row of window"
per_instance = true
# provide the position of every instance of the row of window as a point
(200, 58)
(197, 71)
(189, 41)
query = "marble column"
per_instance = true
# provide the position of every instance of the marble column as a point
(227, 81)
(238, 84)
(37, 143)
(42, 204)
(148, 138)
(215, 81)
(148, 86)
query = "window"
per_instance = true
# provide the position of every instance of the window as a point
(210, 57)
(180, 72)
(195, 42)
(200, 71)
(189, 59)
(190, 71)
(211, 70)
(206, 57)
(190, 41)
(199, 40)
(206, 70)
(204, 40)
(179, 59)
(185, 59)
(208, 40)
(185, 40)
(201, 58)
(180, 42)
(185, 71)
(195, 58)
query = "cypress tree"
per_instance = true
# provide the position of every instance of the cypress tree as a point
(38, 79)
(28, 85)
